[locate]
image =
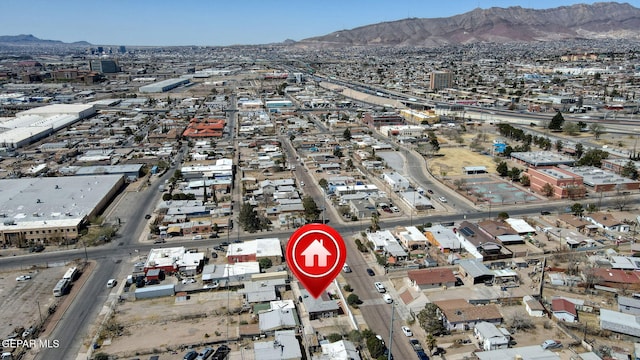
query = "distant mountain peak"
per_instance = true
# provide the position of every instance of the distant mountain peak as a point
(498, 25)
(28, 39)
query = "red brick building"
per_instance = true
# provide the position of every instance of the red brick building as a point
(204, 128)
(564, 184)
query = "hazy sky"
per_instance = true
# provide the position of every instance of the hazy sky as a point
(221, 22)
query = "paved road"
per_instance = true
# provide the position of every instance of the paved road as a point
(75, 324)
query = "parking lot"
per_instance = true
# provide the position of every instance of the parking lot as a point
(24, 304)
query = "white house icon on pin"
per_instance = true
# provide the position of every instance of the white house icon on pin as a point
(316, 248)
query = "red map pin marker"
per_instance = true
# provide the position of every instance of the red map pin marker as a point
(315, 254)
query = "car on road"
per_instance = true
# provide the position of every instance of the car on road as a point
(442, 199)
(551, 344)
(191, 355)
(111, 283)
(406, 331)
(422, 355)
(23, 278)
(212, 285)
(218, 248)
(395, 209)
(545, 212)
(370, 272)
(387, 298)
(301, 183)
(380, 287)
(224, 243)
(415, 345)
(188, 281)
(346, 268)
(197, 237)
(430, 191)
(147, 216)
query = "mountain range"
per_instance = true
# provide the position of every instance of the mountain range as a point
(17, 40)
(604, 20)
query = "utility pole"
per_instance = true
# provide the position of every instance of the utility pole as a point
(391, 332)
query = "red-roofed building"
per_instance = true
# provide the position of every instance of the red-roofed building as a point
(205, 128)
(564, 310)
(616, 278)
(431, 278)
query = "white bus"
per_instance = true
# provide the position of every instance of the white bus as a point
(71, 274)
(61, 287)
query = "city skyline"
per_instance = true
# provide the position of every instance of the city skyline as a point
(203, 23)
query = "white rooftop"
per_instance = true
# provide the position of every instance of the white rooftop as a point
(260, 247)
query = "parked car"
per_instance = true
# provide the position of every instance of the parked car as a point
(197, 237)
(191, 355)
(205, 353)
(23, 278)
(380, 287)
(439, 351)
(551, 344)
(111, 283)
(346, 268)
(148, 216)
(442, 199)
(545, 213)
(370, 272)
(430, 191)
(221, 353)
(387, 298)
(422, 355)
(406, 331)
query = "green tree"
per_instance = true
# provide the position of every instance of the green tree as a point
(548, 190)
(333, 337)
(597, 130)
(559, 145)
(629, 170)
(429, 319)
(433, 141)
(265, 263)
(375, 346)
(337, 152)
(311, 211)
(514, 173)
(525, 180)
(353, 300)
(375, 222)
(346, 134)
(571, 129)
(502, 169)
(503, 215)
(248, 218)
(556, 122)
(101, 356)
(592, 157)
(431, 342)
(579, 150)
(166, 197)
(577, 209)
(323, 184)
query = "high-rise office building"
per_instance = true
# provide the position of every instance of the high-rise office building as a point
(439, 80)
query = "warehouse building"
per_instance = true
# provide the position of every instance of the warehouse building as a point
(162, 86)
(34, 124)
(52, 210)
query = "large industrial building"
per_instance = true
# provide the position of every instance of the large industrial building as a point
(34, 124)
(162, 86)
(51, 210)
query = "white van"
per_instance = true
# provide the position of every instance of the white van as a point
(387, 298)
(197, 237)
(380, 287)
